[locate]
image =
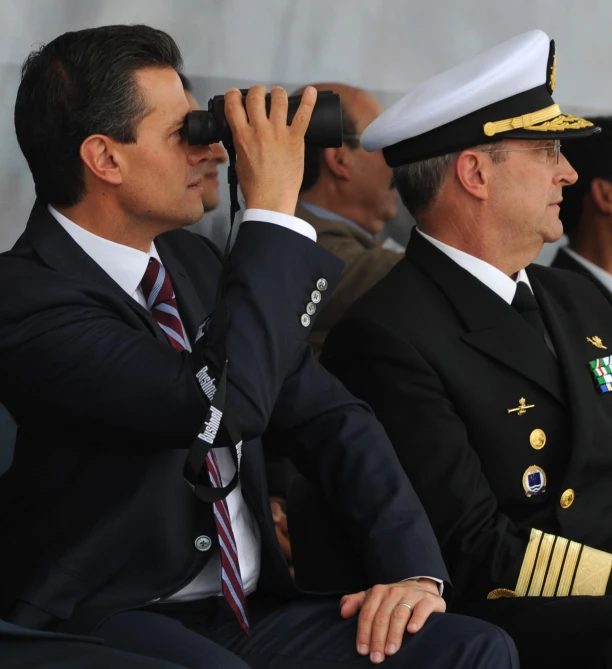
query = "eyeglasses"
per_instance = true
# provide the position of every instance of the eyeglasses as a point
(553, 151)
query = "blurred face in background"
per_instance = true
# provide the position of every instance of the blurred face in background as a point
(210, 193)
(371, 181)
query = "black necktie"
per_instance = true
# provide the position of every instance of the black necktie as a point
(525, 303)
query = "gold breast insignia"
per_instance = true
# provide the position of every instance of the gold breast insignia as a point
(596, 341)
(521, 408)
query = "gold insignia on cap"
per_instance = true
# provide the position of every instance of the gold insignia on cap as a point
(563, 122)
(525, 121)
(549, 119)
(553, 75)
(521, 408)
(537, 439)
(596, 341)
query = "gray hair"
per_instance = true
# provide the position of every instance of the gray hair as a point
(419, 183)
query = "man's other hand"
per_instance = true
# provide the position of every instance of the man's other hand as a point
(279, 516)
(383, 616)
(270, 153)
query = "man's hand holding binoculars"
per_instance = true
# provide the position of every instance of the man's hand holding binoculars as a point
(270, 153)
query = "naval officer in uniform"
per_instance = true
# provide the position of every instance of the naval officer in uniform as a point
(493, 376)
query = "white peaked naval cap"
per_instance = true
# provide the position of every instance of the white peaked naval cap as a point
(504, 93)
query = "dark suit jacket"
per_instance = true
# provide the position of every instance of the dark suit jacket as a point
(563, 260)
(441, 358)
(101, 517)
(365, 263)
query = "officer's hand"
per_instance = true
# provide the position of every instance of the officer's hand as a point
(279, 516)
(382, 621)
(270, 154)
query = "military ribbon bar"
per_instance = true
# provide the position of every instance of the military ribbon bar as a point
(601, 369)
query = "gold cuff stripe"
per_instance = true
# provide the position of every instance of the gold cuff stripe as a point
(569, 569)
(546, 545)
(593, 573)
(528, 562)
(554, 566)
(525, 121)
(554, 570)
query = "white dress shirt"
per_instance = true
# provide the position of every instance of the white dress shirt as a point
(495, 279)
(126, 266)
(595, 270)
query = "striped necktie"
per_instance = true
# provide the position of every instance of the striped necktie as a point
(161, 301)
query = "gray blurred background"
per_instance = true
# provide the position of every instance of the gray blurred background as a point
(385, 46)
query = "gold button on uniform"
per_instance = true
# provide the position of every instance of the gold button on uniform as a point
(567, 498)
(537, 439)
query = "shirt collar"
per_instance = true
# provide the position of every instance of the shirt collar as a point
(332, 216)
(125, 265)
(495, 279)
(596, 270)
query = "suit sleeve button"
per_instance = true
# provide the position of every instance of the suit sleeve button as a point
(203, 543)
(305, 320)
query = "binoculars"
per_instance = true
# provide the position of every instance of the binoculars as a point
(324, 130)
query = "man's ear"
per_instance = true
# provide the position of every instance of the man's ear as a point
(601, 193)
(473, 169)
(338, 161)
(98, 154)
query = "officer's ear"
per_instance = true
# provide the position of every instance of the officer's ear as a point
(338, 162)
(474, 170)
(601, 193)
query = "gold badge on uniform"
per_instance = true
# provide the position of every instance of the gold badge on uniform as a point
(596, 341)
(537, 439)
(534, 481)
(521, 408)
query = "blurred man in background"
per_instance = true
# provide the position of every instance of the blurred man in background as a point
(347, 196)
(586, 210)
(210, 173)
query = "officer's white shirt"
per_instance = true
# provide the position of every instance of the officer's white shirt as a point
(596, 270)
(126, 266)
(495, 279)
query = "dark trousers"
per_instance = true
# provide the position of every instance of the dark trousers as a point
(32, 653)
(308, 633)
(554, 631)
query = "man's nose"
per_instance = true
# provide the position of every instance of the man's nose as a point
(199, 154)
(567, 172)
(219, 154)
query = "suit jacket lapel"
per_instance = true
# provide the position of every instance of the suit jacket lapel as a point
(494, 327)
(567, 334)
(59, 251)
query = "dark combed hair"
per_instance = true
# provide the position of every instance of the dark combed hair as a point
(313, 155)
(591, 157)
(80, 84)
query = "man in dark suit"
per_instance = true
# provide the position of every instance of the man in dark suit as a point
(488, 373)
(586, 210)
(123, 345)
